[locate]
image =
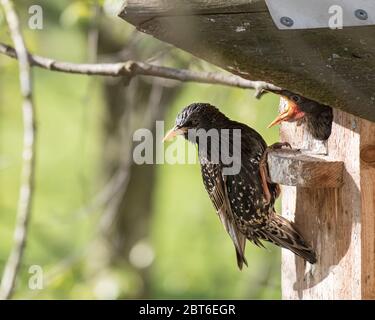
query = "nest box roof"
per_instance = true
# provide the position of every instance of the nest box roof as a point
(334, 67)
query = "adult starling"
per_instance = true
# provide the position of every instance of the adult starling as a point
(317, 117)
(239, 199)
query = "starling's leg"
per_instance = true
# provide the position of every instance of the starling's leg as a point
(264, 174)
(263, 169)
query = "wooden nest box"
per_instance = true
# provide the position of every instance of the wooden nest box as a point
(331, 197)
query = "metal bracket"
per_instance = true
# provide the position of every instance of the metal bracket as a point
(311, 14)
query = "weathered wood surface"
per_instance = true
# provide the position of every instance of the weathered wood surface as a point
(292, 168)
(335, 67)
(367, 186)
(339, 222)
(140, 11)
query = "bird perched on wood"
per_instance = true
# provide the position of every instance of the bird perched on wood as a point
(318, 117)
(238, 198)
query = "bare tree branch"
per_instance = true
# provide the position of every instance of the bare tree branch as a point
(28, 163)
(133, 68)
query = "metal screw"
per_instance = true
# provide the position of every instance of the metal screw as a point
(286, 21)
(361, 14)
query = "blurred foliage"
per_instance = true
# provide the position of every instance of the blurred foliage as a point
(190, 254)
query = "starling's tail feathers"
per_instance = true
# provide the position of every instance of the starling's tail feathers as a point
(240, 252)
(238, 239)
(283, 233)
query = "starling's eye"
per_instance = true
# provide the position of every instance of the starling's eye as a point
(296, 98)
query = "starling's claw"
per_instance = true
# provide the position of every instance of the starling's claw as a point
(264, 173)
(263, 170)
(279, 145)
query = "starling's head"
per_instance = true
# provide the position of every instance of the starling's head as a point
(295, 107)
(194, 117)
(292, 105)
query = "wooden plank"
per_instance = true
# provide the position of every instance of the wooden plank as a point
(326, 218)
(367, 156)
(138, 11)
(292, 168)
(339, 222)
(334, 67)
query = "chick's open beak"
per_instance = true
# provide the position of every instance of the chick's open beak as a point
(173, 133)
(291, 113)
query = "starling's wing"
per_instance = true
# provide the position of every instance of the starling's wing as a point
(245, 190)
(215, 185)
(245, 195)
(252, 149)
(228, 220)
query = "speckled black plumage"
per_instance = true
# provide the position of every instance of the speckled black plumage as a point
(318, 117)
(239, 198)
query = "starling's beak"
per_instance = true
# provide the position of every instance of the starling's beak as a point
(291, 113)
(173, 133)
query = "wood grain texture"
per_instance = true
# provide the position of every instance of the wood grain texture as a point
(339, 222)
(367, 147)
(296, 168)
(368, 154)
(138, 11)
(334, 67)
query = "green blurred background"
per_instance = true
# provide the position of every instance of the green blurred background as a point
(103, 227)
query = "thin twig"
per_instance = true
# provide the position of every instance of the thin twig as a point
(132, 68)
(28, 162)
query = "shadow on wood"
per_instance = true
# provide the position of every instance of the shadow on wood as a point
(319, 214)
(339, 222)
